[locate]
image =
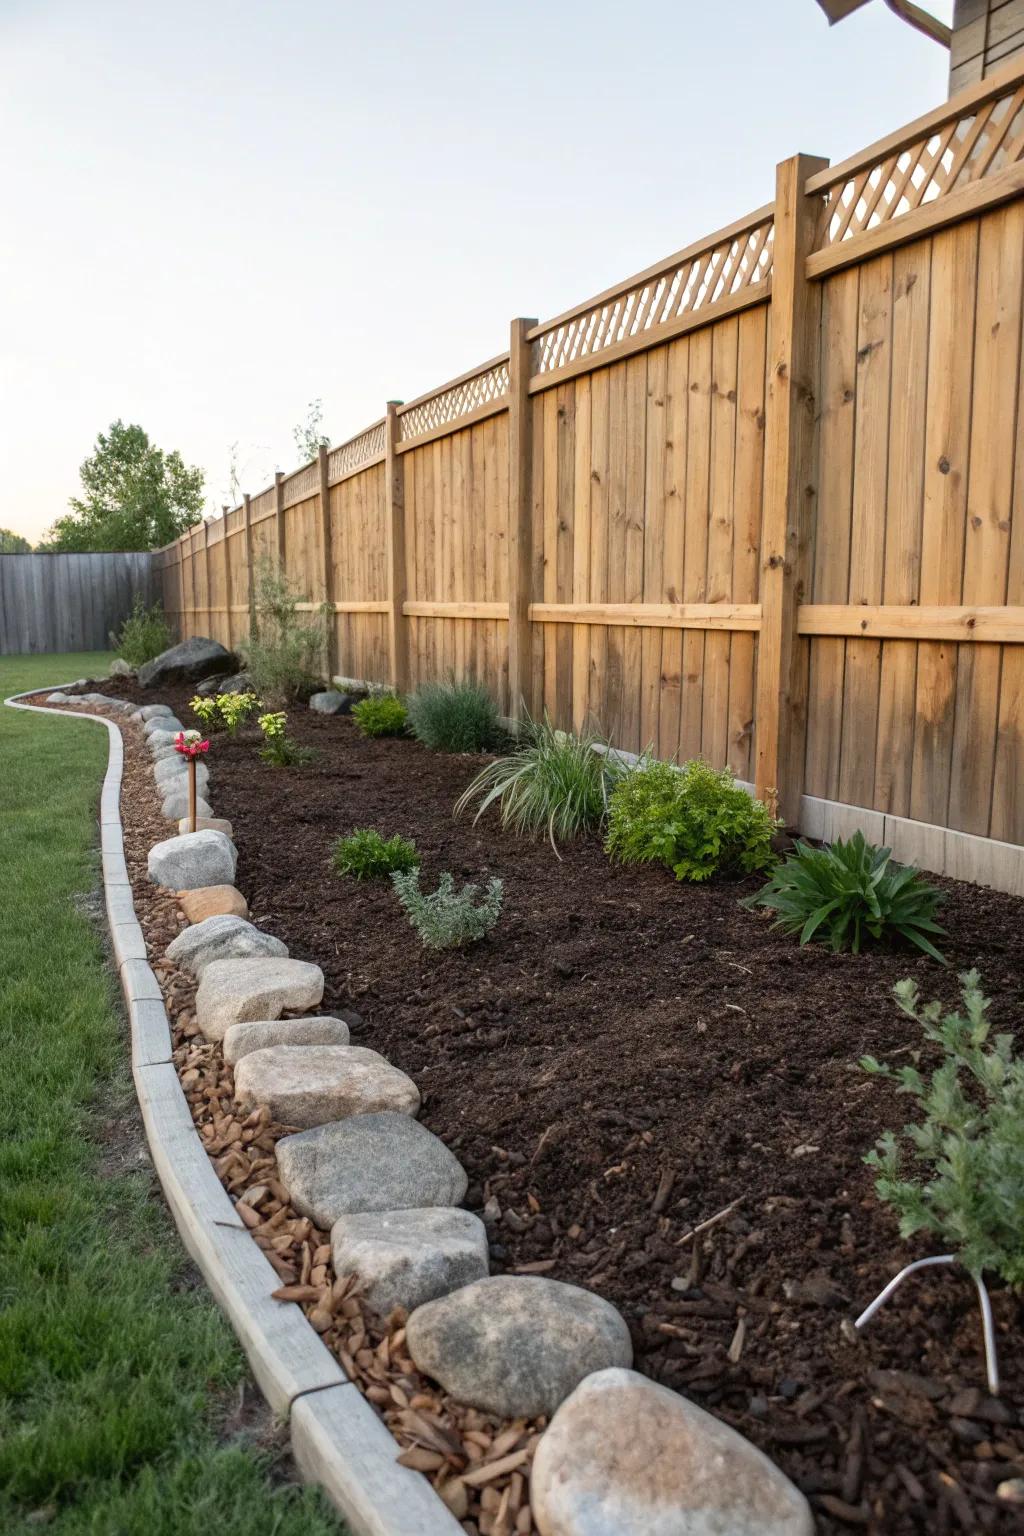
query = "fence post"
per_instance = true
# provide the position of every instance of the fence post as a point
(206, 577)
(247, 523)
(394, 516)
(229, 618)
(328, 560)
(789, 490)
(520, 521)
(279, 519)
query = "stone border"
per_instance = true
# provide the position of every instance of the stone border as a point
(337, 1439)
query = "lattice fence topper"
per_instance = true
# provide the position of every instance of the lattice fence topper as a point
(724, 269)
(447, 406)
(358, 450)
(266, 501)
(302, 483)
(984, 140)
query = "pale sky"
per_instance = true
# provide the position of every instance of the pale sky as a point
(217, 212)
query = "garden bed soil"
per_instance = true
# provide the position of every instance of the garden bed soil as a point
(627, 1057)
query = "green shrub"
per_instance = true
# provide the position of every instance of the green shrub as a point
(224, 710)
(366, 853)
(380, 715)
(278, 747)
(696, 820)
(454, 717)
(143, 635)
(968, 1147)
(286, 648)
(446, 917)
(850, 893)
(555, 783)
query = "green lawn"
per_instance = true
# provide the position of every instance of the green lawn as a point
(119, 1379)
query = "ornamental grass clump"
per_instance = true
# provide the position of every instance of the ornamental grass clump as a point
(963, 1177)
(454, 717)
(851, 894)
(555, 782)
(447, 918)
(365, 854)
(278, 747)
(381, 714)
(696, 820)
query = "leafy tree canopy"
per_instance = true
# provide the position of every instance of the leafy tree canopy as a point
(13, 543)
(135, 496)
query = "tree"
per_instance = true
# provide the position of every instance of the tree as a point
(13, 543)
(309, 438)
(135, 496)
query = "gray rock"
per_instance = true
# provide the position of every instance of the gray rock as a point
(170, 725)
(384, 1162)
(308, 1085)
(58, 698)
(331, 703)
(238, 682)
(175, 805)
(242, 1039)
(153, 711)
(516, 1345)
(626, 1457)
(172, 768)
(165, 752)
(235, 991)
(159, 741)
(207, 824)
(193, 859)
(208, 686)
(120, 668)
(221, 938)
(188, 662)
(406, 1258)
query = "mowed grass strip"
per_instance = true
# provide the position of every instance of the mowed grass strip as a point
(119, 1378)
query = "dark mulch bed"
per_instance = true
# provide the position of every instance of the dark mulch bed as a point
(624, 1058)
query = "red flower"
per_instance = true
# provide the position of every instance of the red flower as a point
(190, 748)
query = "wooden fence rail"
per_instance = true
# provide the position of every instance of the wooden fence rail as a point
(760, 502)
(70, 602)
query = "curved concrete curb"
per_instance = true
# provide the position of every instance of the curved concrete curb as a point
(337, 1439)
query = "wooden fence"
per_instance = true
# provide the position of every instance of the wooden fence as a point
(757, 502)
(69, 602)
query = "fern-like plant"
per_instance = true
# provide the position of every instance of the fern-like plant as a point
(850, 894)
(380, 715)
(447, 918)
(366, 853)
(696, 820)
(965, 1179)
(454, 717)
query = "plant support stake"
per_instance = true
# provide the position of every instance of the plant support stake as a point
(191, 794)
(987, 1325)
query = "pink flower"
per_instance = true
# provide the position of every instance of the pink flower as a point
(189, 744)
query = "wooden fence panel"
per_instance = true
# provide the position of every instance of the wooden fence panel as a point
(358, 574)
(70, 602)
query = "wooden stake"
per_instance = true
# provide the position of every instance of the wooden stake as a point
(191, 794)
(394, 516)
(520, 521)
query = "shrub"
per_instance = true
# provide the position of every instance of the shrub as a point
(554, 783)
(454, 717)
(366, 853)
(850, 893)
(695, 820)
(143, 635)
(968, 1146)
(286, 648)
(207, 710)
(380, 715)
(447, 918)
(224, 710)
(278, 748)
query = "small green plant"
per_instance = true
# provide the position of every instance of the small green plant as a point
(236, 708)
(287, 647)
(454, 717)
(696, 820)
(555, 782)
(447, 918)
(278, 748)
(849, 894)
(143, 635)
(207, 710)
(366, 853)
(966, 1186)
(380, 715)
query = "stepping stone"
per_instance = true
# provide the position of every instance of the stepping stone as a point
(384, 1162)
(190, 661)
(308, 1085)
(171, 769)
(175, 805)
(235, 991)
(153, 711)
(207, 824)
(405, 1258)
(331, 703)
(674, 1470)
(221, 938)
(197, 858)
(242, 1039)
(516, 1345)
(212, 900)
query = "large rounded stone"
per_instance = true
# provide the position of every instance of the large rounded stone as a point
(175, 804)
(161, 726)
(516, 1345)
(174, 770)
(308, 1085)
(242, 1039)
(212, 900)
(193, 859)
(626, 1457)
(153, 711)
(406, 1258)
(158, 742)
(221, 938)
(234, 991)
(188, 662)
(382, 1162)
(207, 824)
(331, 702)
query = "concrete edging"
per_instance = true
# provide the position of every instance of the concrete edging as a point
(337, 1439)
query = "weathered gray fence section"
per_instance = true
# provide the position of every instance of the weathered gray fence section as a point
(68, 602)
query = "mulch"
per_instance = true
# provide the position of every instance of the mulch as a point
(627, 1057)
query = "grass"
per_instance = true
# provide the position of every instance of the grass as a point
(118, 1375)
